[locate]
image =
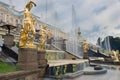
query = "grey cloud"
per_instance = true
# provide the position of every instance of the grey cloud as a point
(88, 12)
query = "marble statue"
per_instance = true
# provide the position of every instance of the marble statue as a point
(28, 31)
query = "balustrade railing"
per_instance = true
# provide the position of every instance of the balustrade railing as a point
(21, 75)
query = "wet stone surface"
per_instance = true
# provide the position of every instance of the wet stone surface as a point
(110, 75)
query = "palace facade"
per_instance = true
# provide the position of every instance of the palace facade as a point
(9, 15)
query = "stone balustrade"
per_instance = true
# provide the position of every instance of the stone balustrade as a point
(22, 75)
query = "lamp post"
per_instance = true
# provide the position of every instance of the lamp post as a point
(8, 38)
(8, 27)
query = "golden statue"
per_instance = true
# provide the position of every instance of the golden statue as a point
(42, 39)
(85, 46)
(85, 49)
(49, 34)
(116, 55)
(28, 31)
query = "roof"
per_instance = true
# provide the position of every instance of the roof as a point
(13, 11)
(4, 4)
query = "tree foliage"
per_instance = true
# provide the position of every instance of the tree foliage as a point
(114, 42)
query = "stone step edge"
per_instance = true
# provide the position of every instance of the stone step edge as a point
(79, 73)
(95, 72)
(68, 75)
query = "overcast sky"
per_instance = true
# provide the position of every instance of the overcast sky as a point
(96, 18)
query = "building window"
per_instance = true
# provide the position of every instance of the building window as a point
(10, 20)
(16, 21)
(18, 28)
(7, 18)
(21, 21)
(1, 16)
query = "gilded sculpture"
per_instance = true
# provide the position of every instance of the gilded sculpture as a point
(85, 49)
(28, 30)
(116, 55)
(49, 34)
(85, 46)
(43, 38)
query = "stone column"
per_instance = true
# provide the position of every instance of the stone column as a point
(27, 59)
(8, 40)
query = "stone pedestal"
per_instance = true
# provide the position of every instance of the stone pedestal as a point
(42, 62)
(8, 40)
(27, 59)
(85, 56)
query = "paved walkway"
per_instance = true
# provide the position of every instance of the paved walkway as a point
(110, 75)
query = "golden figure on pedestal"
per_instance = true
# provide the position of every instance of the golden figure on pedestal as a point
(85, 48)
(116, 55)
(28, 31)
(43, 38)
(49, 34)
